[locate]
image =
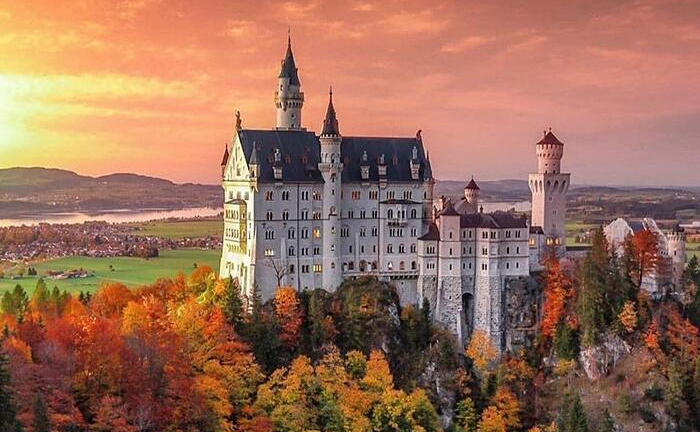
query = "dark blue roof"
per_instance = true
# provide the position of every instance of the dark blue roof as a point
(397, 158)
(300, 152)
(289, 67)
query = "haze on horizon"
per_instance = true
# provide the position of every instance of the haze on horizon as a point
(151, 86)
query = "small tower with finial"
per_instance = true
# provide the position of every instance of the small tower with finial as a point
(289, 99)
(471, 193)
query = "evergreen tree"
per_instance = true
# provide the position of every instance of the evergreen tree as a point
(673, 396)
(606, 422)
(595, 278)
(572, 417)
(696, 393)
(565, 342)
(232, 304)
(40, 421)
(41, 295)
(8, 411)
(262, 333)
(426, 329)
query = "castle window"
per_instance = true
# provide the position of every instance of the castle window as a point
(402, 248)
(517, 250)
(269, 234)
(401, 265)
(351, 214)
(375, 231)
(363, 231)
(291, 234)
(291, 268)
(317, 233)
(390, 248)
(484, 266)
(350, 249)
(285, 215)
(290, 251)
(316, 215)
(269, 252)
(517, 234)
(389, 265)
(373, 195)
(390, 194)
(390, 214)
(450, 251)
(517, 265)
(318, 268)
(285, 195)
(304, 233)
(356, 195)
(317, 196)
(268, 216)
(305, 195)
(407, 195)
(269, 196)
(305, 269)
(363, 214)
(413, 248)
(507, 250)
(485, 235)
(317, 250)
(484, 251)
(507, 265)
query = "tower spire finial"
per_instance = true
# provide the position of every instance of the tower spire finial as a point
(289, 36)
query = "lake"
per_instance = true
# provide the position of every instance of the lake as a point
(111, 216)
(518, 206)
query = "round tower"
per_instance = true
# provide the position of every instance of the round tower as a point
(677, 254)
(549, 186)
(331, 168)
(471, 193)
(549, 153)
(289, 99)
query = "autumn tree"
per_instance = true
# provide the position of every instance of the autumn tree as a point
(491, 421)
(289, 316)
(465, 415)
(508, 407)
(111, 416)
(674, 393)
(595, 278)
(482, 353)
(645, 258)
(556, 292)
(628, 317)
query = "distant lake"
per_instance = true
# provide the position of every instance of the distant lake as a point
(111, 216)
(519, 206)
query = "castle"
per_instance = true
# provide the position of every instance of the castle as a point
(668, 273)
(307, 211)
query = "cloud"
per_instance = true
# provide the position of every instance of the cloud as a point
(466, 43)
(363, 7)
(418, 22)
(128, 9)
(240, 28)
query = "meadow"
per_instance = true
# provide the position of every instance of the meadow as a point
(131, 272)
(176, 230)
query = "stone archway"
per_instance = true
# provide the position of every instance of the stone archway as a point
(467, 314)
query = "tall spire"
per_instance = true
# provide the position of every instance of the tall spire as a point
(330, 124)
(428, 174)
(289, 68)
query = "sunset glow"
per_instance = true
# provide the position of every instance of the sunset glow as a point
(151, 86)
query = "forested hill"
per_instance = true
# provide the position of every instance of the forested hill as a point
(36, 190)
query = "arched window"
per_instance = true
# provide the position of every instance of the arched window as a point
(390, 214)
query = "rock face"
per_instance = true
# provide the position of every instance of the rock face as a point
(597, 361)
(522, 305)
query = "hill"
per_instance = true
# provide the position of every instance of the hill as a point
(44, 190)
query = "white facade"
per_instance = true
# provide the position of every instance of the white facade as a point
(549, 186)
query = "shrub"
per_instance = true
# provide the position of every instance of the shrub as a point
(624, 403)
(654, 392)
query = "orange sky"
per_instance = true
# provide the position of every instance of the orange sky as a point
(151, 86)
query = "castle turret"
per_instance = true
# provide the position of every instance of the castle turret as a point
(289, 99)
(430, 180)
(677, 254)
(224, 161)
(549, 186)
(331, 168)
(471, 193)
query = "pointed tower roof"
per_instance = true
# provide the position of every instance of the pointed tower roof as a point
(472, 185)
(289, 68)
(449, 210)
(428, 167)
(225, 158)
(549, 138)
(330, 124)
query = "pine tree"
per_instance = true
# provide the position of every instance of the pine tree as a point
(606, 422)
(40, 422)
(8, 411)
(232, 304)
(572, 417)
(673, 396)
(595, 278)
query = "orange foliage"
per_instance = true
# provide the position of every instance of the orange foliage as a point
(289, 315)
(682, 335)
(508, 407)
(556, 292)
(628, 317)
(111, 299)
(646, 253)
(491, 421)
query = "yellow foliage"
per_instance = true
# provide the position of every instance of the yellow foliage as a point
(481, 352)
(508, 407)
(378, 376)
(491, 421)
(628, 317)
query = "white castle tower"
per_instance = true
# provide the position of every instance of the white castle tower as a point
(289, 99)
(331, 168)
(677, 255)
(549, 186)
(471, 194)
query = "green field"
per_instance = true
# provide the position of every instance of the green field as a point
(575, 228)
(129, 271)
(181, 229)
